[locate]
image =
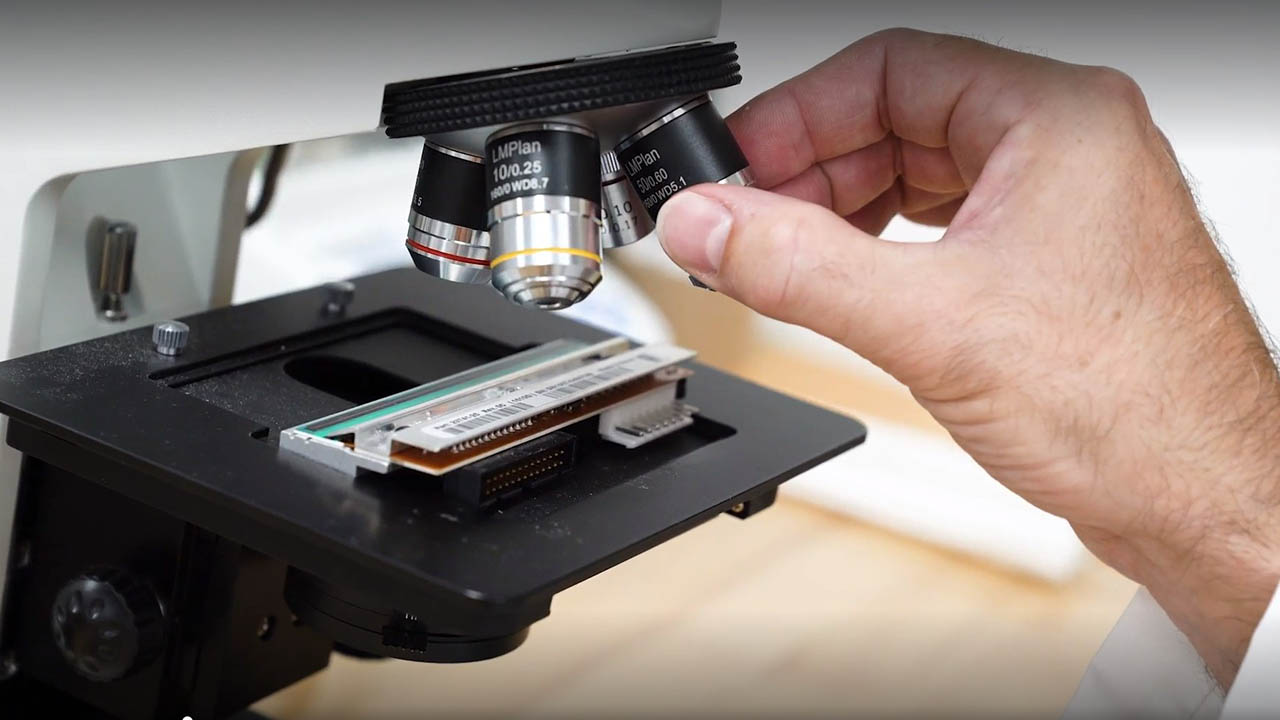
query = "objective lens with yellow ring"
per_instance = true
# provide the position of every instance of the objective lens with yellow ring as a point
(543, 194)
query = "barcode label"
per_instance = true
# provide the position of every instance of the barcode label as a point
(587, 383)
(489, 417)
(472, 422)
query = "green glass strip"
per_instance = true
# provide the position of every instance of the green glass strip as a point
(534, 356)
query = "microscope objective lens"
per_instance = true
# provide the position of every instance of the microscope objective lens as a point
(543, 194)
(623, 215)
(447, 237)
(684, 147)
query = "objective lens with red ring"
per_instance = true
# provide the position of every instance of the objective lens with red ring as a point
(447, 234)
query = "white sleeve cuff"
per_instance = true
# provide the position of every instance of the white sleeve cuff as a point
(1256, 692)
(1146, 668)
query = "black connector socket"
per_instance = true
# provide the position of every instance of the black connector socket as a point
(512, 472)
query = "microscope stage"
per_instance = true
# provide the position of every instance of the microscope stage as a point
(197, 437)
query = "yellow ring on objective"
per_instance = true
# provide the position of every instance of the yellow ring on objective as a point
(494, 262)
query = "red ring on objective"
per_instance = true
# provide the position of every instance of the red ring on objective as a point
(445, 255)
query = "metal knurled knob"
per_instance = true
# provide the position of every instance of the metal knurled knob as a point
(170, 337)
(609, 165)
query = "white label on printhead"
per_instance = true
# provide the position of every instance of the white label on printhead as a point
(467, 423)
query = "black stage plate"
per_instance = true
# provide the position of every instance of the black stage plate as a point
(195, 437)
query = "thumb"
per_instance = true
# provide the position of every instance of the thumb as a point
(800, 263)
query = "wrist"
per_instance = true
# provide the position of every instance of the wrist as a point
(1215, 574)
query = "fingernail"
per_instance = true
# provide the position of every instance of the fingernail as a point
(693, 229)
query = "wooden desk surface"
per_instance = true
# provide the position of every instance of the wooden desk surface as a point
(794, 612)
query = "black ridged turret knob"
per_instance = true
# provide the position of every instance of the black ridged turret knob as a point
(107, 623)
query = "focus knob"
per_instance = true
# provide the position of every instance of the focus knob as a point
(107, 624)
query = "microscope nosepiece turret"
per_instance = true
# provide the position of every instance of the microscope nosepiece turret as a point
(513, 188)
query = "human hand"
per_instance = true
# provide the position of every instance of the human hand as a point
(1076, 329)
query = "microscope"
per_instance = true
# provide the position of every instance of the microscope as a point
(200, 502)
